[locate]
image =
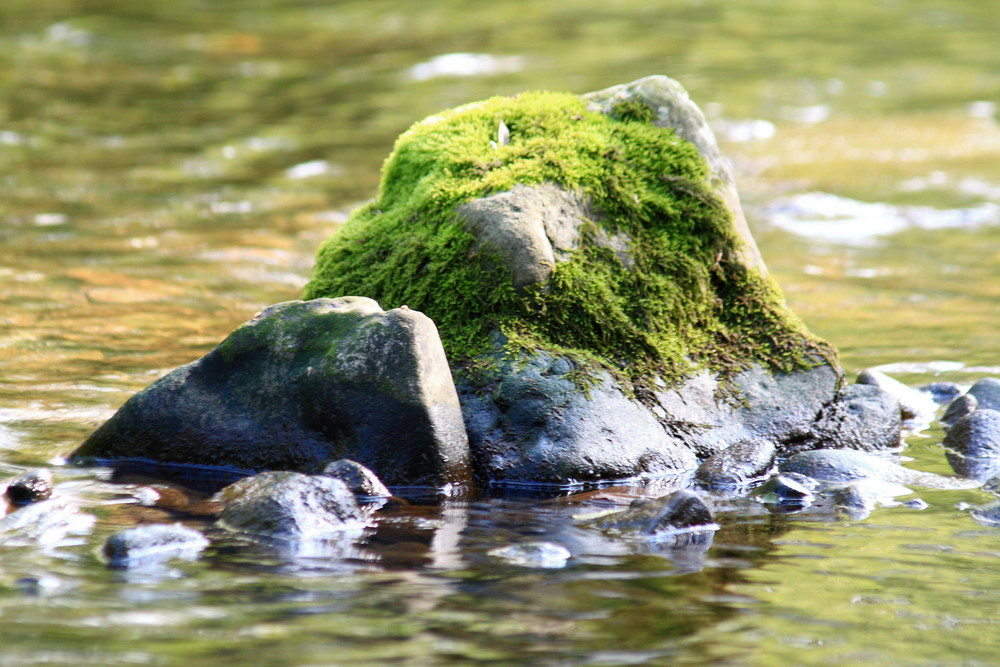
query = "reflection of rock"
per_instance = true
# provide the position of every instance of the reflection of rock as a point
(146, 545)
(290, 506)
(301, 384)
(972, 444)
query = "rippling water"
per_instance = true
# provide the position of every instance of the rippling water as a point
(167, 169)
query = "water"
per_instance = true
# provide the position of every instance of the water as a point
(167, 169)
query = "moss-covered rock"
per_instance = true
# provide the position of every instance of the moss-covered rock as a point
(586, 260)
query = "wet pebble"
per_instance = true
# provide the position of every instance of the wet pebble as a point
(962, 406)
(942, 392)
(680, 510)
(972, 445)
(913, 404)
(290, 505)
(30, 487)
(144, 545)
(786, 489)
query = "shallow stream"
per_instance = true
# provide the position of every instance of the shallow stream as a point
(167, 169)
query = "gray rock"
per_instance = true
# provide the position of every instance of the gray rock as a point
(146, 545)
(861, 496)
(290, 506)
(530, 421)
(987, 393)
(786, 489)
(533, 554)
(300, 384)
(962, 406)
(681, 510)
(862, 417)
(972, 445)
(30, 487)
(359, 479)
(914, 404)
(833, 466)
(738, 463)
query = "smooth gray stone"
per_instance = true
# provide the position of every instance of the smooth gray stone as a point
(359, 479)
(914, 404)
(545, 555)
(962, 406)
(862, 417)
(678, 511)
(972, 444)
(987, 393)
(299, 385)
(145, 545)
(291, 506)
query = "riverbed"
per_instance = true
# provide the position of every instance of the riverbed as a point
(168, 169)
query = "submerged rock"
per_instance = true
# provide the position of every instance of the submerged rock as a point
(44, 523)
(290, 506)
(787, 488)
(603, 304)
(837, 466)
(298, 385)
(681, 510)
(30, 487)
(359, 479)
(151, 544)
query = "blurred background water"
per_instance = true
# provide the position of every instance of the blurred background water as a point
(169, 168)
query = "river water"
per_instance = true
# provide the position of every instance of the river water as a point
(169, 168)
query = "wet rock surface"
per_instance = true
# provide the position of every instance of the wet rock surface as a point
(150, 544)
(360, 480)
(863, 417)
(298, 385)
(30, 487)
(681, 510)
(290, 506)
(738, 464)
(972, 445)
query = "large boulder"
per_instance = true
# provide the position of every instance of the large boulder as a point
(298, 386)
(603, 305)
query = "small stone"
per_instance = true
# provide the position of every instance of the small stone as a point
(738, 463)
(680, 510)
(30, 487)
(972, 445)
(533, 554)
(916, 504)
(145, 545)
(987, 393)
(942, 392)
(912, 403)
(962, 406)
(359, 479)
(290, 505)
(786, 489)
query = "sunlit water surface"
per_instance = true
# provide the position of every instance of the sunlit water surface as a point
(167, 169)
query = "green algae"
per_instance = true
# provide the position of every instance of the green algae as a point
(685, 300)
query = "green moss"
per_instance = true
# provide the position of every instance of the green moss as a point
(685, 302)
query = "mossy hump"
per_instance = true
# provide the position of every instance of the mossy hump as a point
(650, 274)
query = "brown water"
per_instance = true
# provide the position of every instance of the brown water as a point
(168, 168)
